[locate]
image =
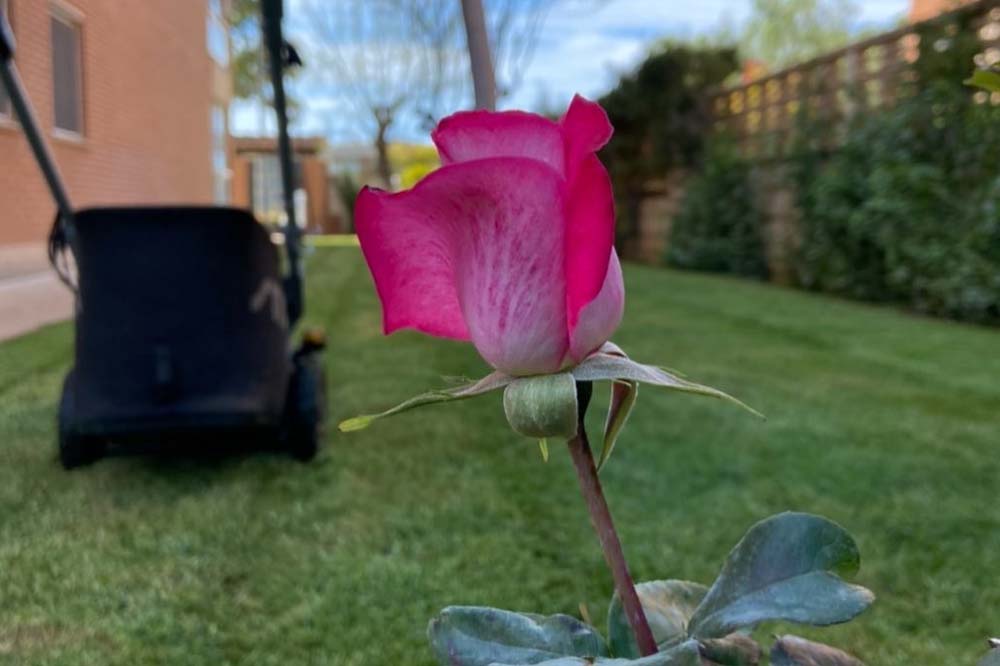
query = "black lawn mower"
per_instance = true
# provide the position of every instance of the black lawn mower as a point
(183, 314)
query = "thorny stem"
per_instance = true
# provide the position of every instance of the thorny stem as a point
(600, 518)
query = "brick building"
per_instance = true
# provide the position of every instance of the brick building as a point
(132, 97)
(256, 182)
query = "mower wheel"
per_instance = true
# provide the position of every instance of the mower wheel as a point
(306, 406)
(77, 450)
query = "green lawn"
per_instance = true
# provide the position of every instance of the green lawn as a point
(882, 421)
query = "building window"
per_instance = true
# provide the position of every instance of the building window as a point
(218, 33)
(67, 74)
(220, 168)
(265, 186)
(5, 109)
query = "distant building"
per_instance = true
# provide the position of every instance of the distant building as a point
(133, 98)
(357, 160)
(256, 182)
(921, 10)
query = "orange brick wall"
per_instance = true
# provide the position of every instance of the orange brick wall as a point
(924, 9)
(147, 95)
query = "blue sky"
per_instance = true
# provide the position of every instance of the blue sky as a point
(584, 46)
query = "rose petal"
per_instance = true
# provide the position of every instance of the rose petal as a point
(590, 236)
(411, 263)
(473, 135)
(599, 318)
(586, 129)
(478, 241)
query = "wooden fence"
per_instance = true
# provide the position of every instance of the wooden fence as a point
(762, 115)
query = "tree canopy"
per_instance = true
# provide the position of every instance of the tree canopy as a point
(780, 33)
(660, 118)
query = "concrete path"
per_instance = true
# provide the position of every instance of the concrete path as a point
(30, 293)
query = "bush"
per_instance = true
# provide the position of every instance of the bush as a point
(347, 189)
(908, 210)
(660, 118)
(719, 227)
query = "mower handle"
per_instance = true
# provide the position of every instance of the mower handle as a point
(271, 15)
(26, 116)
(7, 43)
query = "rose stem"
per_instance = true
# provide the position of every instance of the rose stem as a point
(600, 518)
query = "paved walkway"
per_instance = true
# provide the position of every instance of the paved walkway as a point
(30, 293)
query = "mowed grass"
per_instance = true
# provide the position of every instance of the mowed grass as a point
(884, 422)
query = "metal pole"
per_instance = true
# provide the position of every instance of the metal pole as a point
(271, 11)
(483, 77)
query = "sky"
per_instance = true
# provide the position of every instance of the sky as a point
(584, 46)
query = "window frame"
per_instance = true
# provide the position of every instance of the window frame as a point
(7, 110)
(72, 18)
(221, 173)
(216, 26)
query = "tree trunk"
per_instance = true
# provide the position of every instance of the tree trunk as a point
(382, 153)
(478, 41)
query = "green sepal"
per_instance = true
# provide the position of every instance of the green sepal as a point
(492, 382)
(623, 397)
(602, 365)
(542, 406)
(611, 363)
(543, 446)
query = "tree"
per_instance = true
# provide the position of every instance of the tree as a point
(780, 33)
(389, 58)
(248, 61)
(660, 119)
(514, 26)
(381, 56)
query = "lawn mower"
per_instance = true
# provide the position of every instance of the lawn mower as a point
(183, 314)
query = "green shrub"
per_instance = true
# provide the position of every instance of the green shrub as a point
(661, 120)
(719, 227)
(908, 210)
(347, 189)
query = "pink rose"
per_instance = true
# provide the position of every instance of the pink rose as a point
(508, 245)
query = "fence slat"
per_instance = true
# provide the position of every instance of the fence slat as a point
(761, 115)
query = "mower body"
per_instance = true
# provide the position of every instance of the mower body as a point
(182, 337)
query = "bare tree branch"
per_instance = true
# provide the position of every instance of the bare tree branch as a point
(387, 58)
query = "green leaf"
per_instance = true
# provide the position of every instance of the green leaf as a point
(602, 365)
(987, 79)
(733, 650)
(668, 605)
(478, 636)
(542, 406)
(795, 651)
(685, 654)
(784, 568)
(491, 382)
